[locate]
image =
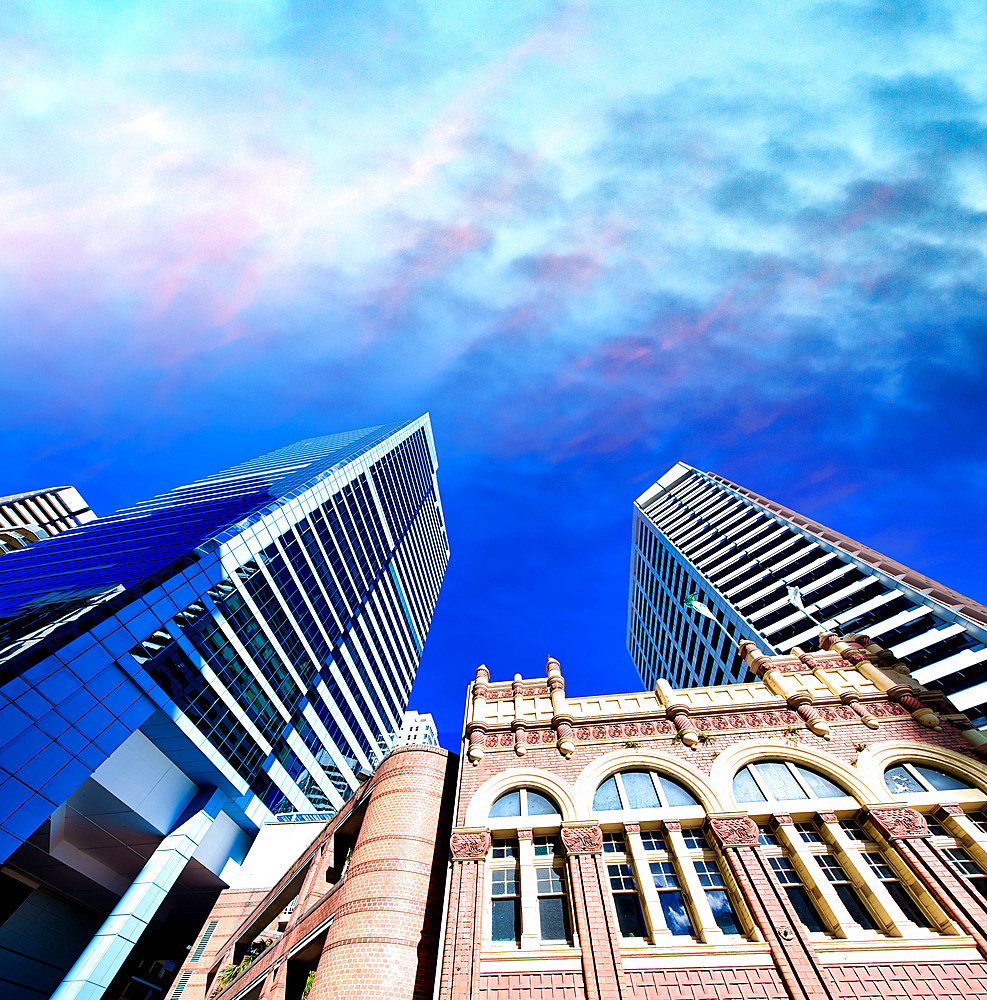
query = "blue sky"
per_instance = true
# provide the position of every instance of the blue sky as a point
(590, 239)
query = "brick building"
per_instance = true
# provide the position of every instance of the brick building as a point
(818, 832)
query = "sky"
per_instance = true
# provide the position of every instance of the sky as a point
(590, 239)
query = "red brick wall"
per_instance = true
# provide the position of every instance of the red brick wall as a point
(939, 980)
(707, 984)
(380, 945)
(531, 986)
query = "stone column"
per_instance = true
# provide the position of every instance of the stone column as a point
(460, 973)
(792, 953)
(599, 937)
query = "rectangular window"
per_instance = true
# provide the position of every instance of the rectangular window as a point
(613, 843)
(809, 833)
(626, 901)
(695, 840)
(505, 906)
(847, 892)
(789, 879)
(503, 849)
(711, 879)
(671, 899)
(965, 865)
(545, 847)
(553, 913)
(896, 890)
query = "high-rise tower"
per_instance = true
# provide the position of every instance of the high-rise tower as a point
(769, 574)
(174, 674)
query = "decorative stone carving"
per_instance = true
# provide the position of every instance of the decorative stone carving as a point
(599, 733)
(664, 727)
(582, 839)
(781, 819)
(950, 809)
(583, 733)
(647, 729)
(631, 729)
(469, 846)
(827, 817)
(897, 824)
(739, 832)
(672, 826)
(615, 732)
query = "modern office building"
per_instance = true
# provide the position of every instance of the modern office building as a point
(177, 673)
(29, 517)
(760, 571)
(693, 843)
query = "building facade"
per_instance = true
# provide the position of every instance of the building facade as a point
(179, 672)
(739, 555)
(817, 832)
(29, 517)
(358, 913)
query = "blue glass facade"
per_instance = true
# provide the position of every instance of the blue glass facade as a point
(259, 630)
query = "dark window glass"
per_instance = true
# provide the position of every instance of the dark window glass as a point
(507, 805)
(553, 918)
(506, 920)
(630, 919)
(799, 898)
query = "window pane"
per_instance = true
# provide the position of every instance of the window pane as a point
(778, 780)
(538, 805)
(640, 790)
(676, 916)
(804, 908)
(505, 922)
(900, 781)
(908, 906)
(606, 796)
(822, 787)
(553, 918)
(549, 880)
(677, 795)
(744, 787)
(939, 780)
(719, 903)
(613, 843)
(507, 805)
(855, 908)
(630, 920)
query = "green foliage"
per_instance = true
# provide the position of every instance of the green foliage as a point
(308, 986)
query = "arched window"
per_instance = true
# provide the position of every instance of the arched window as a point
(781, 781)
(641, 790)
(523, 802)
(904, 778)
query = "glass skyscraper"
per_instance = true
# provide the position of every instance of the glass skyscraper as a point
(241, 644)
(769, 574)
